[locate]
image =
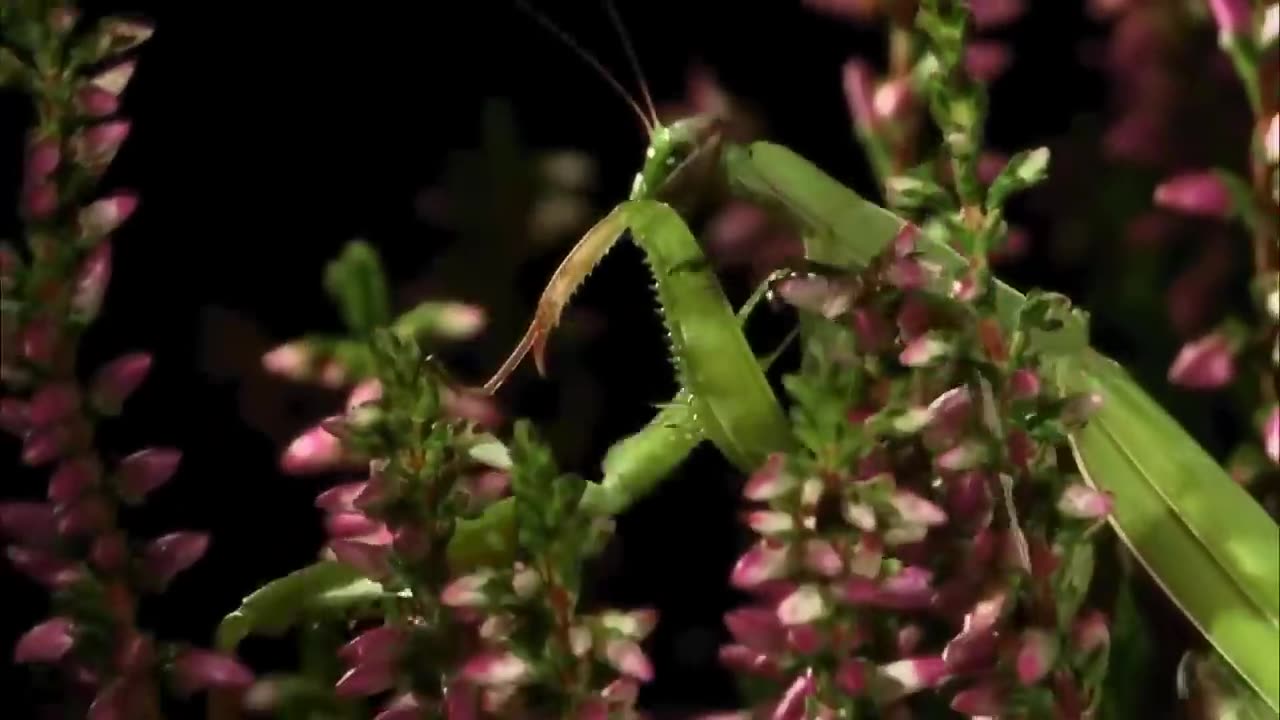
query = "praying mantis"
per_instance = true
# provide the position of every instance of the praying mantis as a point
(1208, 545)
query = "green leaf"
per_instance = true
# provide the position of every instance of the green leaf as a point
(357, 284)
(1243, 200)
(322, 590)
(1023, 170)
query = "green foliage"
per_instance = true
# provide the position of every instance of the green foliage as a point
(322, 591)
(356, 282)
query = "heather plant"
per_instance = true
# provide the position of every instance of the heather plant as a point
(950, 515)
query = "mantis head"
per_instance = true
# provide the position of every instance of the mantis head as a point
(680, 158)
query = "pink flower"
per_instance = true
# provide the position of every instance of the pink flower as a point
(1196, 193)
(47, 642)
(994, 13)
(196, 670)
(91, 282)
(44, 567)
(116, 381)
(366, 679)
(97, 146)
(1204, 364)
(1081, 501)
(368, 558)
(168, 555)
(859, 93)
(29, 523)
(1271, 434)
(314, 451)
(1037, 652)
(497, 668)
(1234, 17)
(467, 591)
(40, 200)
(757, 628)
(626, 656)
(54, 403)
(986, 61)
(73, 477)
(983, 700)
(1271, 139)
(146, 470)
(42, 159)
(1090, 632)
(923, 350)
(911, 675)
(770, 481)
(763, 562)
(101, 218)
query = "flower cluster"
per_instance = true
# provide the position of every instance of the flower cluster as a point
(931, 533)
(464, 640)
(70, 540)
(1212, 360)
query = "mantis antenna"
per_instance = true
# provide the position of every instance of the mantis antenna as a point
(592, 61)
(632, 58)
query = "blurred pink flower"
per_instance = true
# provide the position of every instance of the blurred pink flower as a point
(1202, 194)
(1204, 364)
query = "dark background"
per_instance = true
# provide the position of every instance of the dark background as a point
(268, 134)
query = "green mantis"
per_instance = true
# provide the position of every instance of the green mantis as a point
(1205, 542)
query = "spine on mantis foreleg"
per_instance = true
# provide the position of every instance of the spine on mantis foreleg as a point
(729, 394)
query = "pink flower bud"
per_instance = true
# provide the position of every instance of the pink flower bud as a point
(85, 516)
(625, 655)
(913, 318)
(146, 470)
(380, 645)
(168, 555)
(1271, 434)
(367, 391)
(763, 562)
(47, 642)
(118, 379)
(916, 510)
(923, 351)
(97, 146)
(1090, 632)
(15, 416)
(966, 455)
(40, 340)
(986, 61)
(314, 451)
(497, 668)
(44, 445)
(340, 498)
(794, 700)
(198, 670)
(1234, 17)
(1204, 364)
(892, 99)
(351, 525)
(72, 478)
(40, 200)
(757, 628)
(112, 702)
(366, 679)
(29, 523)
(96, 102)
(1024, 384)
(910, 589)
(42, 159)
(822, 558)
(1197, 193)
(118, 35)
(292, 361)
(871, 329)
(459, 321)
(912, 674)
(1037, 652)
(44, 567)
(907, 274)
(91, 282)
(1271, 135)
(369, 559)
(982, 700)
(851, 676)
(1081, 501)
(109, 552)
(407, 707)
(467, 591)
(859, 93)
(804, 606)
(54, 403)
(989, 14)
(770, 522)
(102, 217)
(771, 480)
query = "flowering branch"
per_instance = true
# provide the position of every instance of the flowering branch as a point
(50, 292)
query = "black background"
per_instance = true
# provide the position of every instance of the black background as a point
(267, 134)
